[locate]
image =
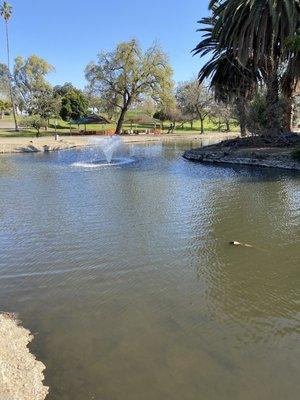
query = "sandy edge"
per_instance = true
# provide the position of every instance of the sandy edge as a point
(43, 144)
(21, 375)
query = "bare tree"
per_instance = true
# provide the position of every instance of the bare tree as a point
(194, 100)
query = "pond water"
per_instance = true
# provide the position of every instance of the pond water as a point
(126, 276)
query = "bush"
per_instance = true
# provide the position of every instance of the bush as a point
(257, 117)
(34, 121)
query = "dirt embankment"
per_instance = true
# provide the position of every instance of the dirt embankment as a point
(21, 375)
(44, 144)
(247, 152)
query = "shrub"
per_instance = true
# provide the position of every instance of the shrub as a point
(34, 121)
(257, 117)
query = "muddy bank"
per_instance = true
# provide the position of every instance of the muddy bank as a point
(21, 375)
(233, 152)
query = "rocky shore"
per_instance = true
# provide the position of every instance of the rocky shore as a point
(245, 152)
(21, 375)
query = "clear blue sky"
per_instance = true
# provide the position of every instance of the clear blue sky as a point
(70, 33)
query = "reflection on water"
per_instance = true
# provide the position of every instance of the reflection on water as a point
(126, 275)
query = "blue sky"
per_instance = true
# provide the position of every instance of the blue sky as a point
(69, 33)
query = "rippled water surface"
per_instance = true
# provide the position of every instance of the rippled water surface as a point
(126, 275)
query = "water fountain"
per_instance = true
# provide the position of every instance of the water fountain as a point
(105, 152)
(111, 147)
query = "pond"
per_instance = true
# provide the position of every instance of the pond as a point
(127, 278)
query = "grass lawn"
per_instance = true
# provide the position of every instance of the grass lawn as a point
(63, 128)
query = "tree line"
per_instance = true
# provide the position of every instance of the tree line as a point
(252, 75)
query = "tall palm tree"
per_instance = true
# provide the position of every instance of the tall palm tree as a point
(230, 81)
(256, 31)
(6, 13)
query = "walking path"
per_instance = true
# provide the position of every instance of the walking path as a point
(4, 124)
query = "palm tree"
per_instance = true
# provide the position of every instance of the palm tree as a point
(290, 84)
(290, 81)
(230, 81)
(6, 13)
(256, 31)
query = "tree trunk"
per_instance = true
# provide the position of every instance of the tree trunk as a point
(9, 80)
(273, 111)
(227, 126)
(173, 127)
(289, 108)
(192, 125)
(242, 117)
(201, 126)
(121, 120)
(288, 116)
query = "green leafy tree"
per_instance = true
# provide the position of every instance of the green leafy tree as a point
(126, 75)
(4, 106)
(34, 121)
(46, 104)
(30, 83)
(74, 103)
(4, 81)
(6, 13)
(148, 106)
(162, 116)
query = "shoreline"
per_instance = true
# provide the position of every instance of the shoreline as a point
(267, 157)
(21, 374)
(46, 144)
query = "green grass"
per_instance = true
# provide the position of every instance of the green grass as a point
(7, 118)
(63, 128)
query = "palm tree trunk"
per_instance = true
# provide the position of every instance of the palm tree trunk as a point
(273, 111)
(242, 116)
(289, 108)
(9, 80)
(288, 116)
